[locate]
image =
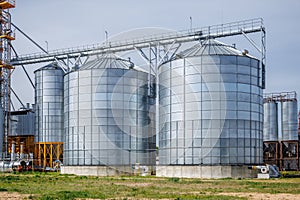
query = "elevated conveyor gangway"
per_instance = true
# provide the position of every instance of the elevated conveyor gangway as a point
(216, 31)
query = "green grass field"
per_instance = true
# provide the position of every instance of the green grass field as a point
(56, 186)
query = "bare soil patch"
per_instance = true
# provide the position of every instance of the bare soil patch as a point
(265, 196)
(135, 184)
(13, 195)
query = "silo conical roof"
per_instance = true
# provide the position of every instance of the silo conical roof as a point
(210, 47)
(52, 65)
(106, 61)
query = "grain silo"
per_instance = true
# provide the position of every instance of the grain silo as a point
(48, 114)
(270, 130)
(211, 113)
(109, 123)
(289, 119)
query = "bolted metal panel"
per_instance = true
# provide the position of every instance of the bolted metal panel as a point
(210, 108)
(270, 131)
(49, 104)
(109, 119)
(289, 120)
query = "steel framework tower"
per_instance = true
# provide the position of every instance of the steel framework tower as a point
(6, 36)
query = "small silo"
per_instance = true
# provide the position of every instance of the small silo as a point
(211, 113)
(270, 130)
(48, 114)
(289, 119)
(109, 123)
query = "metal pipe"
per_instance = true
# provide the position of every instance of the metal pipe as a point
(13, 149)
(39, 46)
(17, 56)
(21, 150)
(29, 38)
(17, 97)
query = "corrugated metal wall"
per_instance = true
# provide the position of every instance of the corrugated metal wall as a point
(211, 109)
(49, 104)
(107, 116)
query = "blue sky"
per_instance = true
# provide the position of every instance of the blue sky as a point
(68, 23)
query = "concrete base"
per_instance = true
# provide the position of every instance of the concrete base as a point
(205, 172)
(106, 170)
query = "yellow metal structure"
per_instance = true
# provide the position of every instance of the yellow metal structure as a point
(47, 152)
(3, 65)
(7, 4)
(8, 37)
(5, 32)
(26, 140)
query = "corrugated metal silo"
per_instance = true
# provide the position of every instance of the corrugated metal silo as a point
(109, 125)
(49, 104)
(289, 120)
(211, 113)
(270, 131)
(49, 112)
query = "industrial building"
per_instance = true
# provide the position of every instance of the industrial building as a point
(193, 111)
(21, 135)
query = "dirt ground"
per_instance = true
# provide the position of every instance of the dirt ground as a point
(13, 195)
(265, 196)
(250, 196)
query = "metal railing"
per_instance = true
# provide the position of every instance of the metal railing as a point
(280, 96)
(215, 31)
